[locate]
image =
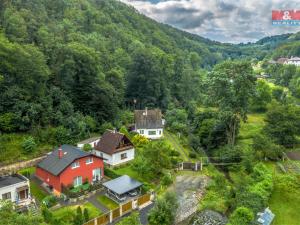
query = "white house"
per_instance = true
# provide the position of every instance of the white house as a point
(115, 148)
(91, 141)
(293, 61)
(149, 123)
(15, 188)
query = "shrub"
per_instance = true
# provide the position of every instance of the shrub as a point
(174, 161)
(174, 153)
(7, 123)
(86, 215)
(192, 155)
(241, 216)
(49, 201)
(167, 179)
(78, 219)
(110, 173)
(87, 147)
(47, 214)
(29, 144)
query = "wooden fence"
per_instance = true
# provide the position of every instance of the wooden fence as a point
(123, 209)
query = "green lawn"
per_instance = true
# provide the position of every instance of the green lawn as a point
(37, 191)
(66, 214)
(107, 202)
(253, 125)
(250, 129)
(27, 171)
(127, 170)
(285, 206)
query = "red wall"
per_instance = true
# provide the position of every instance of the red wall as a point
(85, 171)
(53, 180)
(67, 176)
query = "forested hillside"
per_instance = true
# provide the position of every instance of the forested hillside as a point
(66, 62)
(73, 66)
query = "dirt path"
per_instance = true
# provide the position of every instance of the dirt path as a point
(176, 145)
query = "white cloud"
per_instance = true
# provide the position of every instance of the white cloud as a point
(221, 20)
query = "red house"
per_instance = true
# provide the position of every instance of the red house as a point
(69, 165)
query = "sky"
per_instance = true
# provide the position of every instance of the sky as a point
(232, 21)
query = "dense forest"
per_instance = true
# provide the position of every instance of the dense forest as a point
(77, 63)
(71, 69)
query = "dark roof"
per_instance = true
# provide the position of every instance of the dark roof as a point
(53, 164)
(122, 185)
(10, 180)
(111, 142)
(148, 119)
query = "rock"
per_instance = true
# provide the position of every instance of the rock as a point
(209, 217)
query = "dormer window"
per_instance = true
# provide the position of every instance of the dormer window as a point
(75, 165)
(89, 160)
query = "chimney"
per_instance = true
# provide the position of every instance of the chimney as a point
(146, 111)
(60, 153)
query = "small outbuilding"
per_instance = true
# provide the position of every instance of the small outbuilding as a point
(122, 187)
(266, 217)
(93, 141)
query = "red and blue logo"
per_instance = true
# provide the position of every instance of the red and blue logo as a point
(286, 17)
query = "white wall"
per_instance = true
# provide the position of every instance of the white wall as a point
(115, 159)
(296, 63)
(145, 133)
(13, 190)
(92, 144)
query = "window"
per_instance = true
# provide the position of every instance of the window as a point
(152, 132)
(89, 160)
(141, 131)
(77, 181)
(6, 196)
(123, 156)
(75, 165)
(159, 132)
(97, 174)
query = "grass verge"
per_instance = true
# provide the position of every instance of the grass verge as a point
(107, 202)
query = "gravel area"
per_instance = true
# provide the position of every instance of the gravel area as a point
(209, 217)
(189, 189)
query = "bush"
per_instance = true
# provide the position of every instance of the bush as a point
(47, 214)
(193, 155)
(110, 173)
(175, 161)
(166, 180)
(29, 144)
(49, 201)
(241, 216)
(87, 147)
(86, 215)
(174, 153)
